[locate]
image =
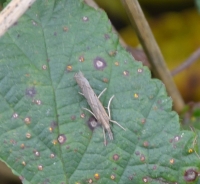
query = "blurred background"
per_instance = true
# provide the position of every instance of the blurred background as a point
(176, 27)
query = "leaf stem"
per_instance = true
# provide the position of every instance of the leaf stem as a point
(193, 57)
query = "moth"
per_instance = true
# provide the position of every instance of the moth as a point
(96, 106)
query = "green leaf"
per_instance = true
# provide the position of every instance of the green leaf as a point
(46, 136)
(198, 4)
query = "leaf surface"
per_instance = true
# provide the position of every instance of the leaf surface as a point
(45, 134)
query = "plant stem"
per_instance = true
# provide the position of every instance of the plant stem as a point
(152, 51)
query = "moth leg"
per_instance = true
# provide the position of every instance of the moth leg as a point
(102, 92)
(104, 136)
(117, 124)
(109, 106)
(110, 116)
(89, 111)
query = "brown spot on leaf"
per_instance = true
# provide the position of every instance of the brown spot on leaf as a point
(92, 123)
(31, 92)
(62, 138)
(99, 63)
(115, 157)
(190, 175)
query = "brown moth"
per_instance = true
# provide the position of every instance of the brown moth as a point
(97, 108)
